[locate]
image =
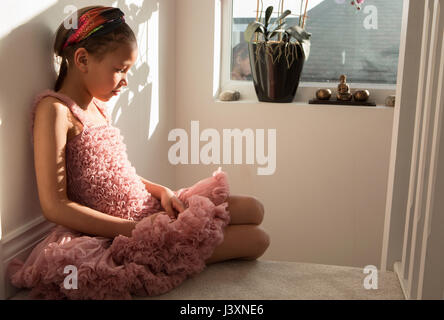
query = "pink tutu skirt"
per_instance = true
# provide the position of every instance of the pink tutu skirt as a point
(160, 254)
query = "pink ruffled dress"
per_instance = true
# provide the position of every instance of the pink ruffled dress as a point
(160, 254)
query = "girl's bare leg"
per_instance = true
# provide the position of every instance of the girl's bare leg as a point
(244, 242)
(243, 238)
(245, 210)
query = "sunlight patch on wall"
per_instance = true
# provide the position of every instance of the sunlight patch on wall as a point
(217, 46)
(147, 33)
(130, 96)
(119, 113)
(16, 13)
(128, 3)
(138, 3)
(153, 63)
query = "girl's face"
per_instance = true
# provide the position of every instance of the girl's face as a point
(245, 66)
(110, 74)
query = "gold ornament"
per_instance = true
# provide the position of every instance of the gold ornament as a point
(343, 89)
(323, 94)
(361, 95)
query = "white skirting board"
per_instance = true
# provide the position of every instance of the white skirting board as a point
(19, 244)
(397, 269)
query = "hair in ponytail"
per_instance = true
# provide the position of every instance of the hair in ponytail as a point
(62, 74)
(97, 46)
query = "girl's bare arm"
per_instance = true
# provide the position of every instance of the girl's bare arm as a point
(153, 188)
(50, 136)
(86, 220)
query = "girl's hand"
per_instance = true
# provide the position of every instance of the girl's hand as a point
(171, 203)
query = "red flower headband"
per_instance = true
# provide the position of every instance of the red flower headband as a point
(95, 21)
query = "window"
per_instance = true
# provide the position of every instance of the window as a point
(363, 44)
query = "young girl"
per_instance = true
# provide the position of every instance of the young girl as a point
(117, 234)
(241, 69)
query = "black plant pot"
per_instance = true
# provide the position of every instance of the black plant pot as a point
(276, 71)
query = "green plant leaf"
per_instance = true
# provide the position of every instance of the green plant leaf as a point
(268, 14)
(306, 48)
(299, 33)
(275, 32)
(282, 16)
(252, 28)
(278, 27)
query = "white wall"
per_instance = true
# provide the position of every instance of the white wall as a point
(402, 142)
(413, 234)
(325, 202)
(25, 57)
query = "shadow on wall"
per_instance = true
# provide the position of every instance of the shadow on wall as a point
(27, 65)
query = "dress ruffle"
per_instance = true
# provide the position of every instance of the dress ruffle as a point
(101, 176)
(160, 254)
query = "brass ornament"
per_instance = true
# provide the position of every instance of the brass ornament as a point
(343, 93)
(361, 95)
(323, 94)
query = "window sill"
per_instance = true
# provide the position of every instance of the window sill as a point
(301, 104)
(307, 91)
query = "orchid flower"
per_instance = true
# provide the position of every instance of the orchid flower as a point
(357, 3)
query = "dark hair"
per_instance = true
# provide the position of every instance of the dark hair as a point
(98, 46)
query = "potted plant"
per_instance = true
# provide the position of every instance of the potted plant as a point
(277, 55)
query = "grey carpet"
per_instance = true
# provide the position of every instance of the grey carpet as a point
(273, 280)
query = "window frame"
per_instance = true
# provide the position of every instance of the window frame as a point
(305, 91)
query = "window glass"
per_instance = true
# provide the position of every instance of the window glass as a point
(363, 44)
